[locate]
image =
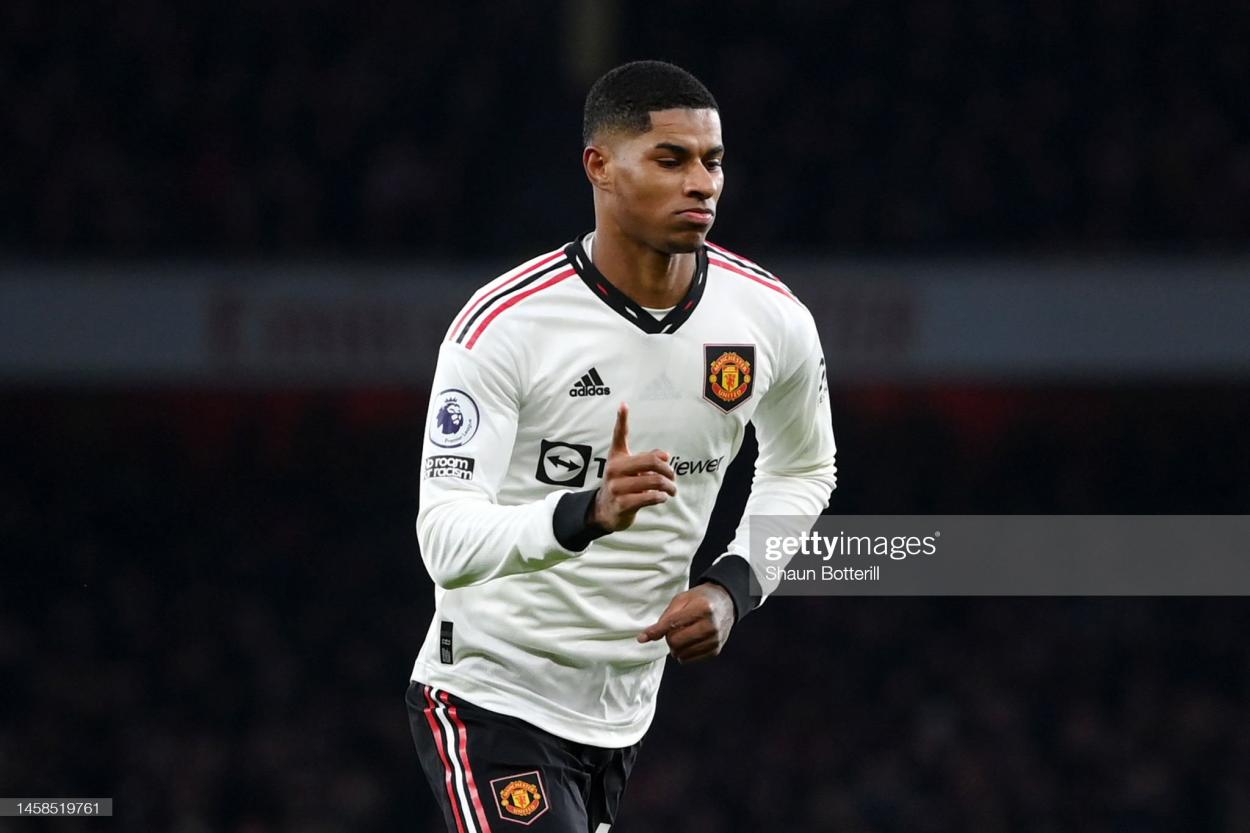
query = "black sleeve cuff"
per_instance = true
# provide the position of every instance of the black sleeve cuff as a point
(734, 574)
(569, 521)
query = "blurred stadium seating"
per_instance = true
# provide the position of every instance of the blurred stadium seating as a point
(217, 597)
(926, 125)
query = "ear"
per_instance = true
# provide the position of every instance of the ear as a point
(597, 162)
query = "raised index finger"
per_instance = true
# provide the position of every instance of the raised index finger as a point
(620, 433)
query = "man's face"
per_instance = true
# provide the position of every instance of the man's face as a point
(662, 186)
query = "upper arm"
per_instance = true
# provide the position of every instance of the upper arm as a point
(470, 425)
(794, 426)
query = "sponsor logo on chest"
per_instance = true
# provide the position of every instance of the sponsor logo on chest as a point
(591, 384)
(683, 467)
(563, 464)
(568, 464)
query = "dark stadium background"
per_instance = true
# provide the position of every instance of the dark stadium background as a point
(212, 593)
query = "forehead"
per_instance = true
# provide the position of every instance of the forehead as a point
(698, 130)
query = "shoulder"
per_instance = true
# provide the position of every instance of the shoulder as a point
(498, 295)
(787, 322)
(746, 272)
(747, 276)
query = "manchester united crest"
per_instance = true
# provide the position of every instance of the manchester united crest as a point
(729, 374)
(520, 798)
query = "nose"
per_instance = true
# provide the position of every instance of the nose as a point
(700, 183)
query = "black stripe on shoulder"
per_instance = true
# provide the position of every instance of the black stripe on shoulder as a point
(738, 261)
(504, 293)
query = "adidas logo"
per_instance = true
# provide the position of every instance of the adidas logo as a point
(591, 384)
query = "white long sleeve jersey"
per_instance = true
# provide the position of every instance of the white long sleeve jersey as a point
(529, 379)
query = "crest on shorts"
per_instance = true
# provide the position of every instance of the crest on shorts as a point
(729, 374)
(520, 798)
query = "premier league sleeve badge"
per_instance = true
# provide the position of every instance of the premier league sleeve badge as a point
(455, 418)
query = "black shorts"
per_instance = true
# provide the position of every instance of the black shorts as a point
(492, 773)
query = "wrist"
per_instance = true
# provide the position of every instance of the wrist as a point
(595, 520)
(571, 526)
(719, 595)
(732, 573)
(592, 512)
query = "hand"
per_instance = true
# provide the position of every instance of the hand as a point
(630, 481)
(696, 623)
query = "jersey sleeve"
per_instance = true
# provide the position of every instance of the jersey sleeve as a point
(465, 536)
(795, 470)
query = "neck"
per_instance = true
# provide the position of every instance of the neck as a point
(650, 277)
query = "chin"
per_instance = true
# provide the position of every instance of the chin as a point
(685, 242)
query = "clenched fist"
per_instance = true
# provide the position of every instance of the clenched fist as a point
(696, 623)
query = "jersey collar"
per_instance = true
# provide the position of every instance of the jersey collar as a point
(625, 306)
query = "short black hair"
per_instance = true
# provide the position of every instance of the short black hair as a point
(625, 97)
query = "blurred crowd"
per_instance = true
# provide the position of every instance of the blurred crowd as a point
(212, 603)
(145, 127)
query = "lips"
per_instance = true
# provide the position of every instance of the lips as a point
(702, 216)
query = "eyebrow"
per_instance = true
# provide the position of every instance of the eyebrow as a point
(684, 150)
